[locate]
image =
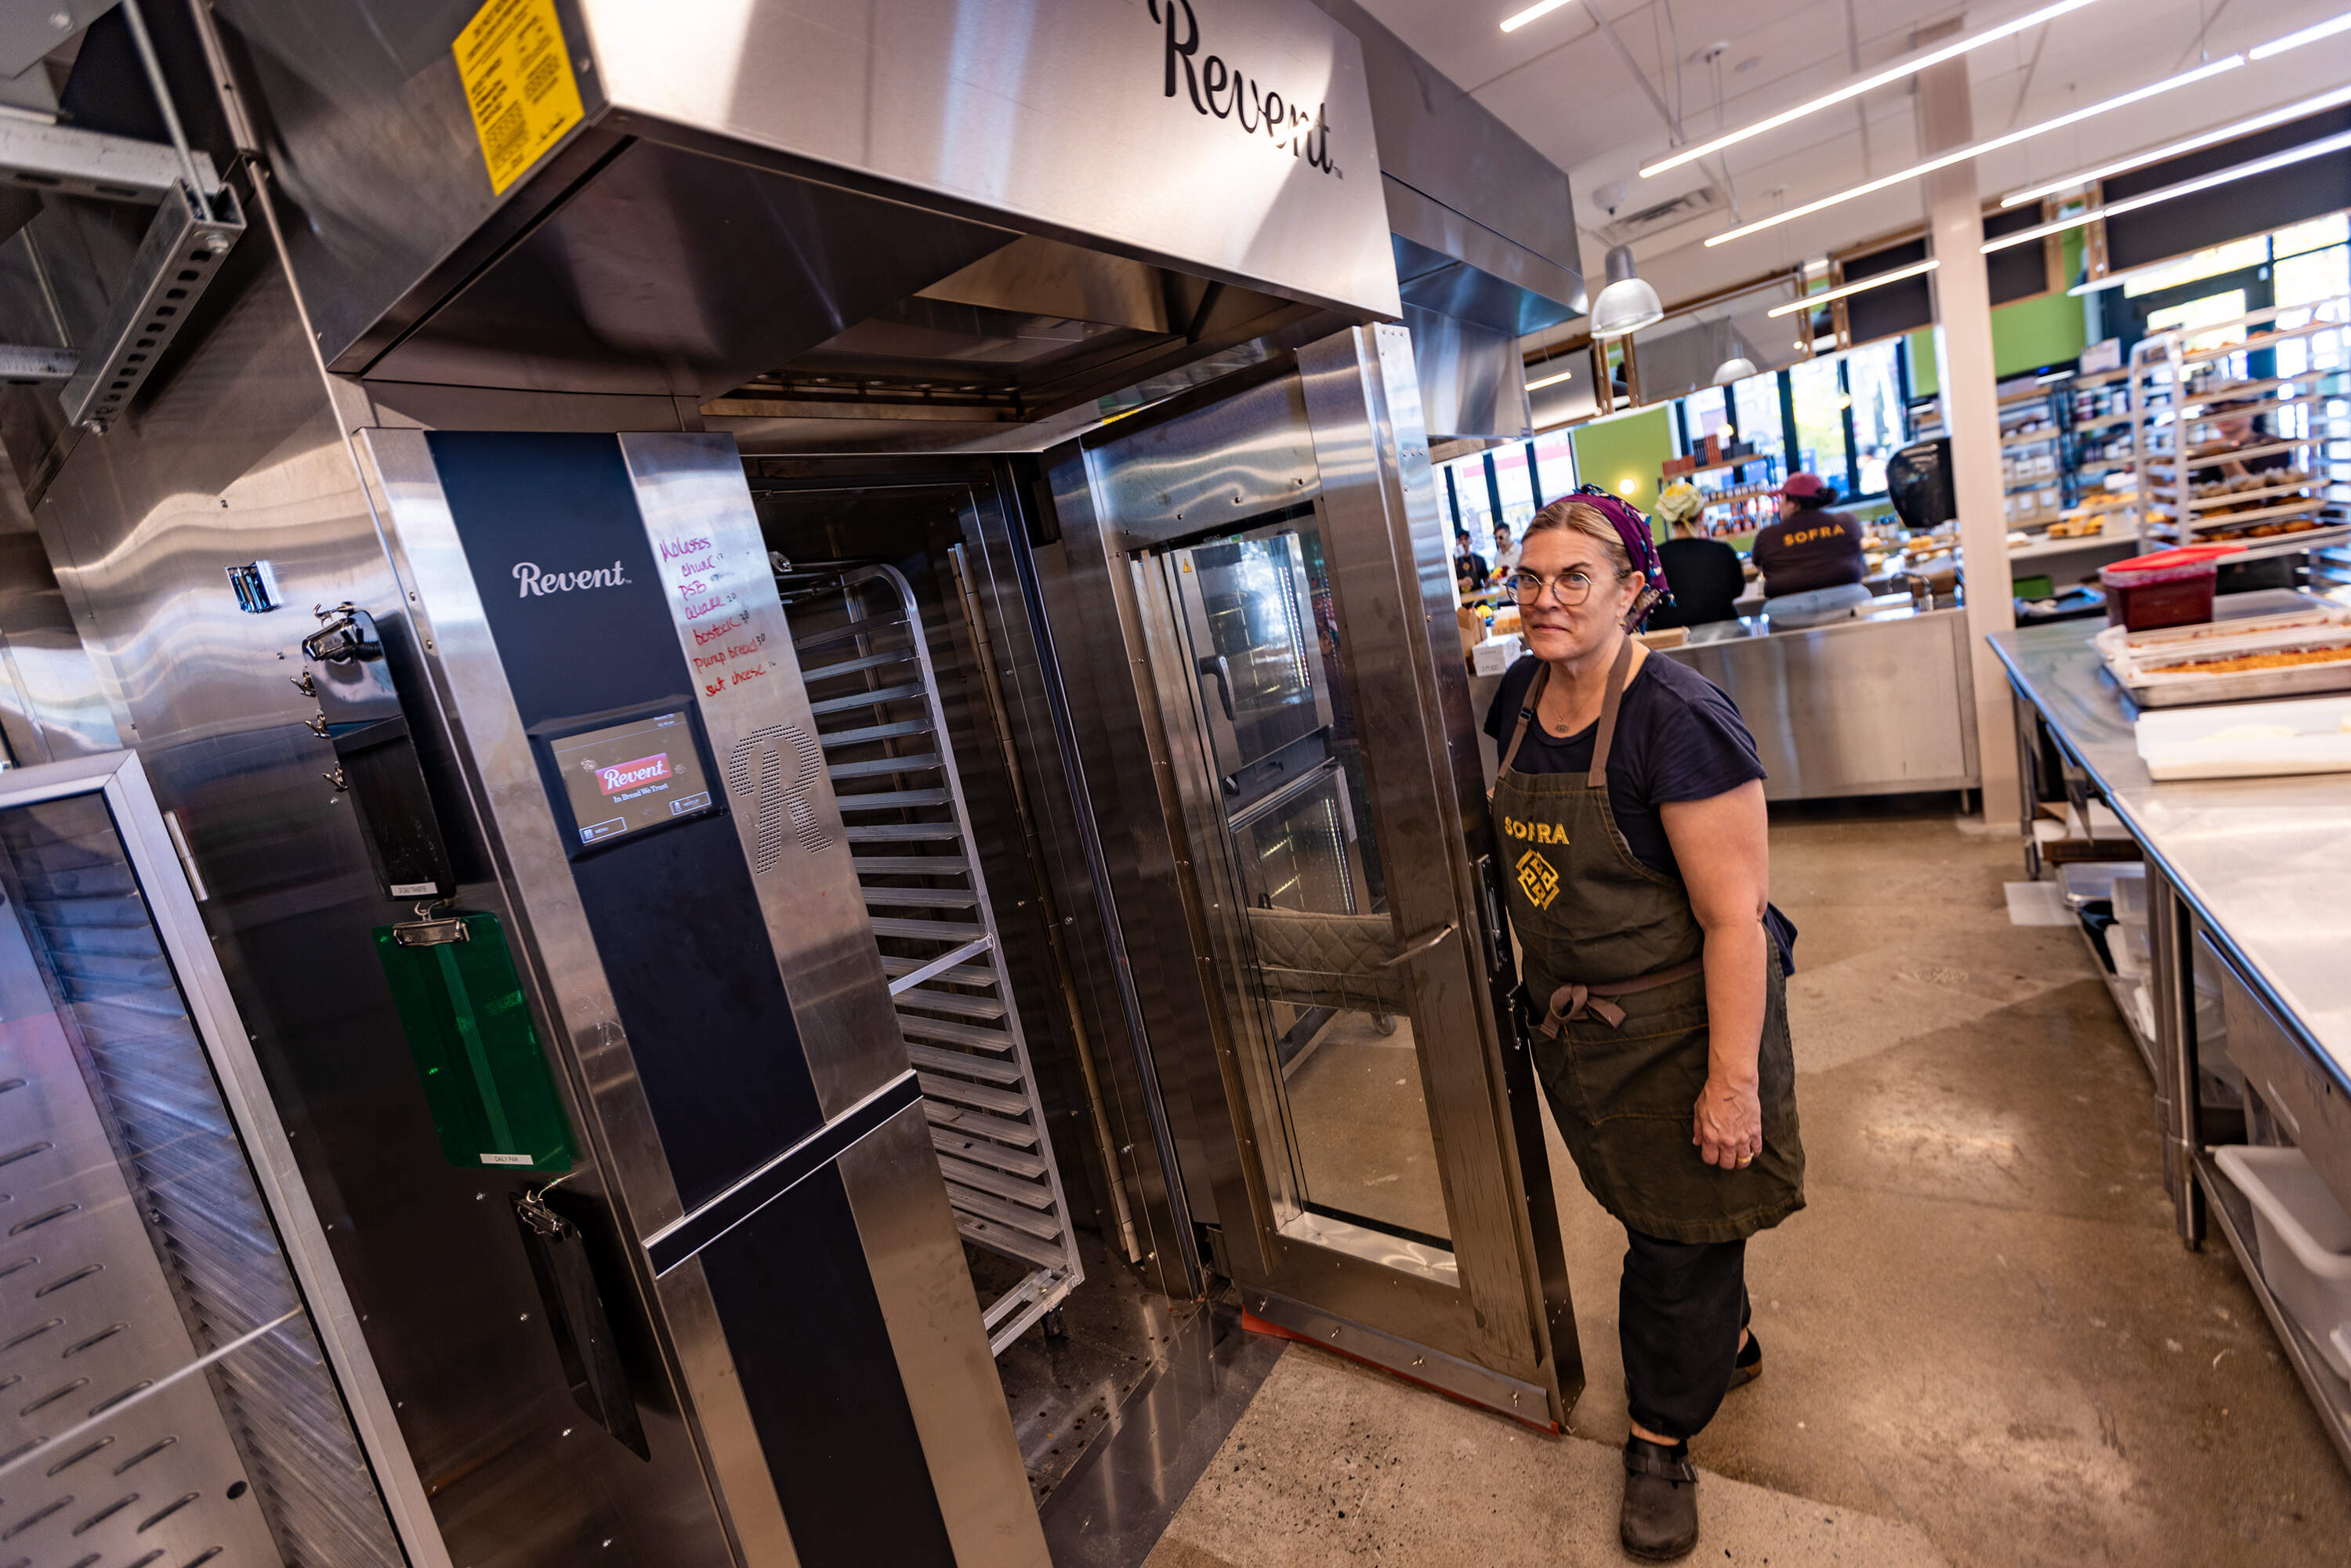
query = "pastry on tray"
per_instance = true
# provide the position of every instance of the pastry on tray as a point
(2283, 659)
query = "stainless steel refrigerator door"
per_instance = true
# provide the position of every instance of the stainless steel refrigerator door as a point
(185, 1378)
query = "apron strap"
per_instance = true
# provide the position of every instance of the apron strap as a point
(1611, 698)
(1614, 697)
(1526, 714)
(1571, 1002)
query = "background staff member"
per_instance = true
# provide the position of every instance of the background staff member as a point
(1629, 813)
(1506, 553)
(1470, 569)
(1706, 577)
(1811, 557)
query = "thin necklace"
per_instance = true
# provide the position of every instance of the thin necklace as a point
(1553, 730)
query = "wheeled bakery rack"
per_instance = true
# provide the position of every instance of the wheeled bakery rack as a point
(874, 692)
(2268, 394)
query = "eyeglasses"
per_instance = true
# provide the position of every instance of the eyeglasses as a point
(1571, 587)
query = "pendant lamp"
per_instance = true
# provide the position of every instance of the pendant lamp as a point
(1627, 304)
(1735, 366)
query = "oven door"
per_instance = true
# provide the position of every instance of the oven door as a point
(1390, 1198)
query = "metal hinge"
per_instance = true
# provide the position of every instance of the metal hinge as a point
(187, 861)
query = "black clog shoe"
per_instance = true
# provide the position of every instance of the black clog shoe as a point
(1748, 1366)
(1659, 1520)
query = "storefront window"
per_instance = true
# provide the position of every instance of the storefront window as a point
(1757, 399)
(1874, 381)
(2312, 276)
(1517, 486)
(2233, 256)
(1820, 421)
(1555, 465)
(2225, 306)
(1476, 511)
(2316, 235)
(1707, 410)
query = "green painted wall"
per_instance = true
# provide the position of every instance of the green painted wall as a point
(2036, 332)
(1926, 370)
(1634, 447)
(2044, 330)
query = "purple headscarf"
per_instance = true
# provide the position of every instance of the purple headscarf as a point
(1632, 530)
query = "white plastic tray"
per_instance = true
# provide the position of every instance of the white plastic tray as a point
(2305, 1243)
(2199, 742)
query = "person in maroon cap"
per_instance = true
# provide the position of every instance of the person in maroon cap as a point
(1811, 551)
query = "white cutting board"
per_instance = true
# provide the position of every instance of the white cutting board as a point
(2199, 742)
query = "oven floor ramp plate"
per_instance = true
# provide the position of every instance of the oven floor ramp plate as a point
(875, 696)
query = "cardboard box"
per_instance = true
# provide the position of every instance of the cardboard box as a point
(1472, 627)
(1676, 467)
(1497, 654)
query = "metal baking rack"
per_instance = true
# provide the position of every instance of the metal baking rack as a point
(2289, 366)
(874, 693)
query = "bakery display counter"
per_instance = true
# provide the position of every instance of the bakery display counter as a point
(2250, 1000)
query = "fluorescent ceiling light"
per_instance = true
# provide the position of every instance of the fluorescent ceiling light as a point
(1978, 148)
(1851, 90)
(2203, 139)
(1874, 280)
(2307, 36)
(2318, 149)
(1541, 8)
(1550, 380)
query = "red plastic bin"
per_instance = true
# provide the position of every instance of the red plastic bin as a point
(2169, 588)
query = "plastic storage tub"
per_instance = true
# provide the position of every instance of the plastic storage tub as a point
(2169, 588)
(2129, 894)
(2133, 954)
(2305, 1240)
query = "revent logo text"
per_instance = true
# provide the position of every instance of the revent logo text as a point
(531, 581)
(623, 775)
(1223, 91)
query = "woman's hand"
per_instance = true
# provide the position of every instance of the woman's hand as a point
(1728, 1126)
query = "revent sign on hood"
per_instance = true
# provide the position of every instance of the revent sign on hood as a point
(1229, 137)
(1224, 89)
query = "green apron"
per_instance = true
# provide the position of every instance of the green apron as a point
(1613, 965)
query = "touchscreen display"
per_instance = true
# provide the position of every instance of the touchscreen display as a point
(631, 776)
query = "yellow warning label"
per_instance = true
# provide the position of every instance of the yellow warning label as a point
(519, 83)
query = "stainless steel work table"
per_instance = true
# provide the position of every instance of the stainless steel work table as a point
(2257, 873)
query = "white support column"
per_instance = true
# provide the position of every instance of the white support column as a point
(1971, 415)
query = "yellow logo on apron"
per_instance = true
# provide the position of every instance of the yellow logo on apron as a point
(1537, 880)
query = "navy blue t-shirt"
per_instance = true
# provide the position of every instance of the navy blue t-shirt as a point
(1679, 737)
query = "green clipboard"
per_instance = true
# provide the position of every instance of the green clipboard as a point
(478, 1054)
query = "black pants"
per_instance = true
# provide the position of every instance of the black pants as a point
(1680, 1309)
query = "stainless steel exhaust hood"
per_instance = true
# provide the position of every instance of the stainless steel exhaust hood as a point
(1483, 232)
(941, 209)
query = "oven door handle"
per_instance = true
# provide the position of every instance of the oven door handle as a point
(1421, 943)
(1216, 664)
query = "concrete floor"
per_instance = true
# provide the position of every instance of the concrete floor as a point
(1984, 1344)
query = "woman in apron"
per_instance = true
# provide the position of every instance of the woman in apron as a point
(1630, 814)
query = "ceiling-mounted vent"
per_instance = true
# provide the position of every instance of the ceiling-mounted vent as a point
(1623, 227)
